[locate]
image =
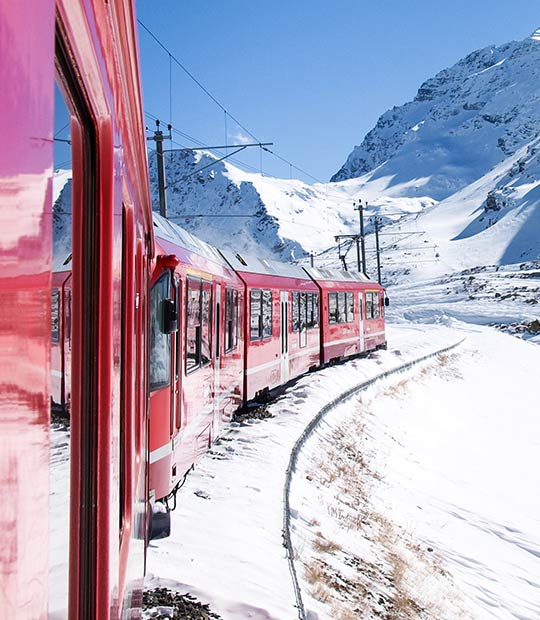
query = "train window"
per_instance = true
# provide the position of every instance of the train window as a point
(67, 317)
(255, 314)
(55, 316)
(332, 307)
(198, 323)
(350, 307)
(231, 319)
(369, 305)
(376, 306)
(193, 324)
(309, 310)
(315, 320)
(260, 314)
(160, 343)
(266, 314)
(60, 430)
(206, 323)
(302, 311)
(296, 311)
(342, 315)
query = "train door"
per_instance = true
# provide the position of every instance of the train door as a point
(176, 361)
(178, 357)
(284, 337)
(361, 321)
(217, 362)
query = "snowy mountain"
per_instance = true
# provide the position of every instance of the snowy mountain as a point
(457, 169)
(462, 122)
(254, 213)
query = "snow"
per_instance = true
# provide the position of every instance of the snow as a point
(418, 497)
(448, 452)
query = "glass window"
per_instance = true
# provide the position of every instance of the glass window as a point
(376, 306)
(309, 310)
(267, 314)
(332, 308)
(206, 323)
(260, 314)
(302, 312)
(231, 319)
(350, 307)
(255, 314)
(160, 343)
(67, 317)
(315, 309)
(369, 305)
(342, 316)
(193, 324)
(296, 311)
(55, 315)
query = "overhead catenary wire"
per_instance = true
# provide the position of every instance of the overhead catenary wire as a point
(220, 105)
(191, 76)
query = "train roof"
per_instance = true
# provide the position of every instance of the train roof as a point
(62, 262)
(261, 266)
(165, 229)
(323, 274)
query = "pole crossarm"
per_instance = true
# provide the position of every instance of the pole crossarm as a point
(215, 148)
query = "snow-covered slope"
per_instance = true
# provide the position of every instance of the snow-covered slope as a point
(461, 123)
(251, 212)
(453, 176)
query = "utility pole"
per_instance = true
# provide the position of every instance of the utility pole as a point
(378, 249)
(360, 209)
(311, 259)
(158, 138)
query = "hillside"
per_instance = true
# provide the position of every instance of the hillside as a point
(453, 176)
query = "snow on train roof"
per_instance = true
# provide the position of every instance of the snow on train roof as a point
(255, 265)
(62, 262)
(335, 275)
(165, 229)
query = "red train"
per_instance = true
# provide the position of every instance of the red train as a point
(157, 338)
(225, 329)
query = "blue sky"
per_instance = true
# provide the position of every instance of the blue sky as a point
(310, 76)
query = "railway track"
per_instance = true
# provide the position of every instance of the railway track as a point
(306, 434)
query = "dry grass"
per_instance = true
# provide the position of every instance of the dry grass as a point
(391, 587)
(323, 545)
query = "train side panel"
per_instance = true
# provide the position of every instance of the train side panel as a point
(204, 385)
(26, 156)
(97, 68)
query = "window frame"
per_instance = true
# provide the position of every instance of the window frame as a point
(55, 315)
(265, 328)
(232, 317)
(158, 318)
(204, 322)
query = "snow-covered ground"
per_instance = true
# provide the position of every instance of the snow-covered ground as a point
(417, 499)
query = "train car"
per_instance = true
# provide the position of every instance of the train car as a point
(61, 337)
(196, 354)
(90, 49)
(352, 313)
(281, 322)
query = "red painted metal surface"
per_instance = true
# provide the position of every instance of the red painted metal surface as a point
(26, 125)
(99, 76)
(263, 359)
(341, 340)
(198, 402)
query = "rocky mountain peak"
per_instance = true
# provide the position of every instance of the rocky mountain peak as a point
(462, 122)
